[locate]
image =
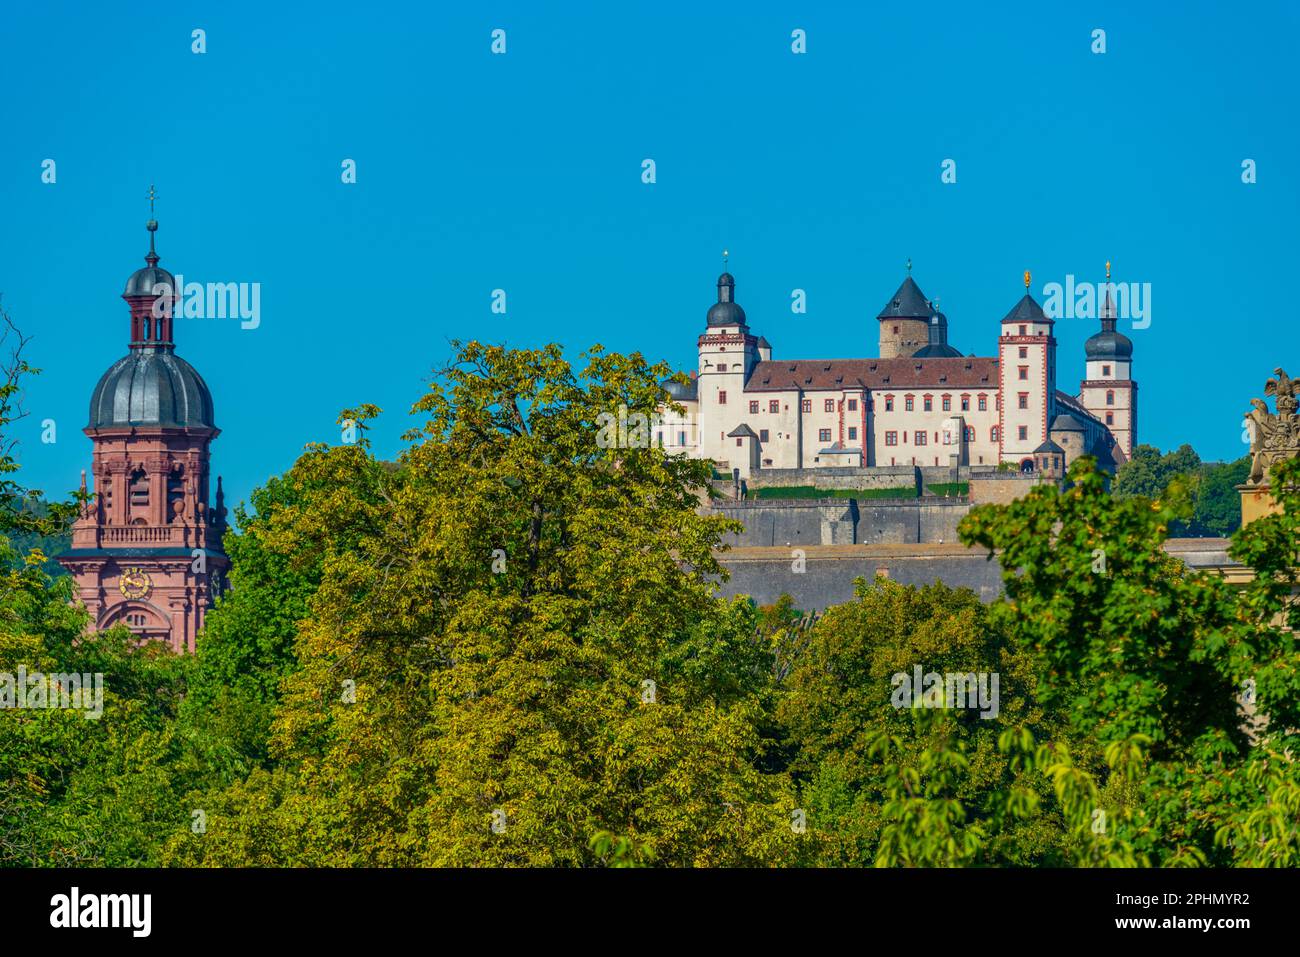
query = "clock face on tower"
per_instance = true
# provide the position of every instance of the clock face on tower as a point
(135, 583)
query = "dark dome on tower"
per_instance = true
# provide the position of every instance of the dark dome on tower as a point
(726, 311)
(151, 389)
(143, 281)
(1109, 344)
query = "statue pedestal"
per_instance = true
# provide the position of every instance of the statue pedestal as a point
(1256, 502)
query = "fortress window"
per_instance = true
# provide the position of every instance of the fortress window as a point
(929, 403)
(774, 406)
(1024, 400)
(762, 435)
(965, 403)
(1024, 372)
(970, 433)
(891, 438)
(895, 330)
(984, 403)
(853, 433)
(947, 403)
(922, 438)
(993, 434)
(722, 367)
(806, 405)
(681, 438)
(853, 405)
(907, 403)
(1110, 398)
(753, 407)
(830, 405)
(722, 398)
(738, 441)
(889, 403)
(1023, 432)
(1024, 351)
(1105, 370)
(1110, 418)
(823, 435)
(1022, 330)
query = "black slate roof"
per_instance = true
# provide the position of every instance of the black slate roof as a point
(907, 303)
(1027, 310)
(151, 387)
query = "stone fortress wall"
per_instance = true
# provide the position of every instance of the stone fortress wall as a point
(926, 519)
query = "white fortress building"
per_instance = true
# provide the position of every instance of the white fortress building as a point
(921, 402)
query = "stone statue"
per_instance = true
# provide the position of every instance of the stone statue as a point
(1273, 438)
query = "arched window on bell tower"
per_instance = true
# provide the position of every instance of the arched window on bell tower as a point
(138, 497)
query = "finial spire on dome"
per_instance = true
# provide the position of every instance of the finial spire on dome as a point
(152, 226)
(909, 265)
(1108, 305)
(725, 255)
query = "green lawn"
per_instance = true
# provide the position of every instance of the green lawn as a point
(949, 488)
(809, 491)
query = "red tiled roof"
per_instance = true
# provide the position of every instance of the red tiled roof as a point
(902, 373)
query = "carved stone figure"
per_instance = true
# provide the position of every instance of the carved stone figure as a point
(1273, 438)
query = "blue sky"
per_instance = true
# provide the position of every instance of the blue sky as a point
(523, 172)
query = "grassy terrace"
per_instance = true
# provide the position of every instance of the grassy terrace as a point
(809, 491)
(949, 488)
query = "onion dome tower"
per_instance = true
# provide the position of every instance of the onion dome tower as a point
(147, 550)
(938, 347)
(1108, 390)
(727, 353)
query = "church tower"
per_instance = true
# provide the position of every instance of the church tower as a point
(1108, 390)
(146, 551)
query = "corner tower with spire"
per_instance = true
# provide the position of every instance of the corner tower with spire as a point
(1027, 380)
(147, 549)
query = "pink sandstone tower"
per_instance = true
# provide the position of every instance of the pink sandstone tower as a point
(146, 551)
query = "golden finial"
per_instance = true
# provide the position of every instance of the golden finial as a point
(1108, 270)
(1026, 280)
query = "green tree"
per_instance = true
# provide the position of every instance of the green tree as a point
(1217, 512)
(1147, 472)
(527, 623)
(872, 772)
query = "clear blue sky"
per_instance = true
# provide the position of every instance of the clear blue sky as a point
(523, 172)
